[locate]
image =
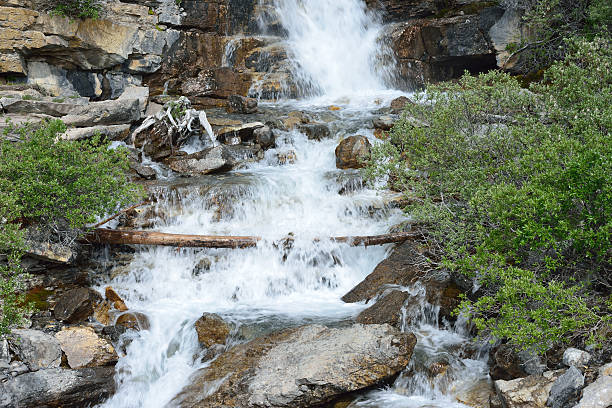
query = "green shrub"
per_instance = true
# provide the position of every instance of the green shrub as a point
(515, 193)
(55, 188)
(77, 8)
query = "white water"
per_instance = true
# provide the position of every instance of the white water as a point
(334, 47)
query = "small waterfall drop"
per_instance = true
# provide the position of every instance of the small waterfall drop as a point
(335, 47)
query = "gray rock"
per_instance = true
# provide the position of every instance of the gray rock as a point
(35, 348)
(117, 82)
(315, 131)
(76, 305)
(243, 132)
(264, 137)
(576, 357)
(58, 387)
(599, 393)
(300, 367)
(50, 108)
(215, 159)
(384, 122)
(531, 362)
(528, 392)
(5, 356)
(146, 172)
(242, 104)
(565, 387)
(17, 368)
(50, 251)
(137, 92)
(112, 112)
(112, 132)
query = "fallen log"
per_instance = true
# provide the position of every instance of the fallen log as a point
(121, 237)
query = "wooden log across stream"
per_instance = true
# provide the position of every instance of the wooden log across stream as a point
(124, 237)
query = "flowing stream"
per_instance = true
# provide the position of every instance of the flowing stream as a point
(335, 52)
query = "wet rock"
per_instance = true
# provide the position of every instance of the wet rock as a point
(133, 320)
(211, 329)
(599, 393)
(576, 357)
(58, 387)
(264, 137)
(145, 172)
(214, 159)
(240, 154)
(386, 310)
(102, 312)
(384, 122)
(565, 389)
(404, 267)
(113, 132)
(242, 104)
(35, 348)
(300, 367)
(112, 112)
(315, 131)
(84, 348)
(114, 297)
(242, 133)
(398, 104)
(506, 364)
(528, 392)
(352, 152)
(477, 395)
(76, 305)
(294, 119)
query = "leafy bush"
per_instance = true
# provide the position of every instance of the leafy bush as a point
(54, 187)
(77, 8)
(514, 187)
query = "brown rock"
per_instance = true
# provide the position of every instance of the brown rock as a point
(76, 305)
(398, 104)
(133, 320)
(241, 104)
(211, 329)
(112, 296)
(352, 152)
(506, 364)
(386, 310)
(83, 348)
(101, 312)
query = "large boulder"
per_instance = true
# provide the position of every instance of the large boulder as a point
(211, 329)
(300, 367)
(84, 348)
(38, 350)
(214, 159)
(599, 393)
(58, 387)
(352, 152)
(76, 305)
(566, 388)
(528, 392)
(112, 112)
(575, 357)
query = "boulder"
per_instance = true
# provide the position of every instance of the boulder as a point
(141, 93)
(133, 320)
(28, 106)
(114, 297)
(404, 267)
(58, 387)
(386, 310)
(384, 122)
(264, 137)
(599, 393)
(565, 388)
(211, 329)
(315, 131)
(239, 133)
(83, 348)
(154, 140)
(112, 112)
(38, 350)
(112, 132)
(214, 159)
(505, 364)
(398, 104)
(300, 367)
(50, 251)
(352, 152)
(242, 104)
(528, 392)
(76, 305)
(576, 357)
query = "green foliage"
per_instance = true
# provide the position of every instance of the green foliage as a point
(54, 187)
(515, 191)
(78, 8)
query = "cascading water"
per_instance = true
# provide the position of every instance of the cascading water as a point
(335, 51)
(335, 47)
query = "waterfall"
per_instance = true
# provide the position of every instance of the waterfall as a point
(335, 47)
